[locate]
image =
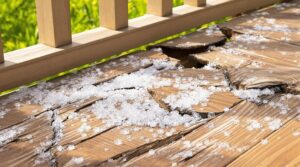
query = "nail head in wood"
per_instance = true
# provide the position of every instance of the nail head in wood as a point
(160, 7)
(113, 14)
(54, 22)
(196, 3)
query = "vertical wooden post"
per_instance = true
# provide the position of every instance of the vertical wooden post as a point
(1, 51)
(160, 7)
(54, 22)
(113, 14)
(197, 3)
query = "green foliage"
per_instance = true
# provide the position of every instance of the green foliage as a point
(19, 26)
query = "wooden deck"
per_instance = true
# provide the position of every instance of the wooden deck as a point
(247, 72)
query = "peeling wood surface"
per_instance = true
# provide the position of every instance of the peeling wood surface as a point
(231, 130)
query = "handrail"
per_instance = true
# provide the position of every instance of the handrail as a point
(60, 52)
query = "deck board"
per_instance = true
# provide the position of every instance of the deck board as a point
(281, 149)
(56, 123)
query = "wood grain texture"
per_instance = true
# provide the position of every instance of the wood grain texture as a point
(20, 110)
(34, 139)
(280, 23)
(282, 149)
(223, 139)
(113, 14)
(197, 3)
(95, 44)
(160, 7)
(54, 22)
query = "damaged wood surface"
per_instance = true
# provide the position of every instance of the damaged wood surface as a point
(18, 107)
(224, 138)
(225, 95)
(280, 23)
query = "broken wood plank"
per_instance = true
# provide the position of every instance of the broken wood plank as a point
(20, 106)
(279, 22)
(223, 58)
(224, 138)
(196, 42)
(119, 143)
(186, 75)
(259, 78)
(216, 103)
(281, 148)
(201, 39)
(30, 142)
(211, 81)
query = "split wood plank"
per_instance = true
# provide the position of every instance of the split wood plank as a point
(259, 78)
(186, 75)
(19, 107)
(246, 49)
(98, 148)
(201, 39)
(196, 3)
(224, 138)
(282, 148)
(196, 42)
(31, 141)
(279, 22)
(54, 22)
(160, 7)
(251, 55)
(113, 14)
(216, 103)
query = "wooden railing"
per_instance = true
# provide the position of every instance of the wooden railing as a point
(59, 50)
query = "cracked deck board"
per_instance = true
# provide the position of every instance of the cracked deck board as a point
(253, 50)
(282, 149)
(18, 108)
(280, 22)
(23, 149)
(103, 147)
(259, 78)
(221, 140)
(258, 63)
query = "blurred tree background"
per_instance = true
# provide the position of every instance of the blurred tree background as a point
(18, 24)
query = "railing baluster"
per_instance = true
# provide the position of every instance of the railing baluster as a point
(160, 7)
(195, 2)
(1, 51)
(113, 14)
(54, 22)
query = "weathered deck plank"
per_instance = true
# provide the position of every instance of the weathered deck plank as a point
(280, 22)
(223, 139)
(33, 132)
(282, 148)
(19, 107)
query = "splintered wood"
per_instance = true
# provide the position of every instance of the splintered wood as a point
(227, 95)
